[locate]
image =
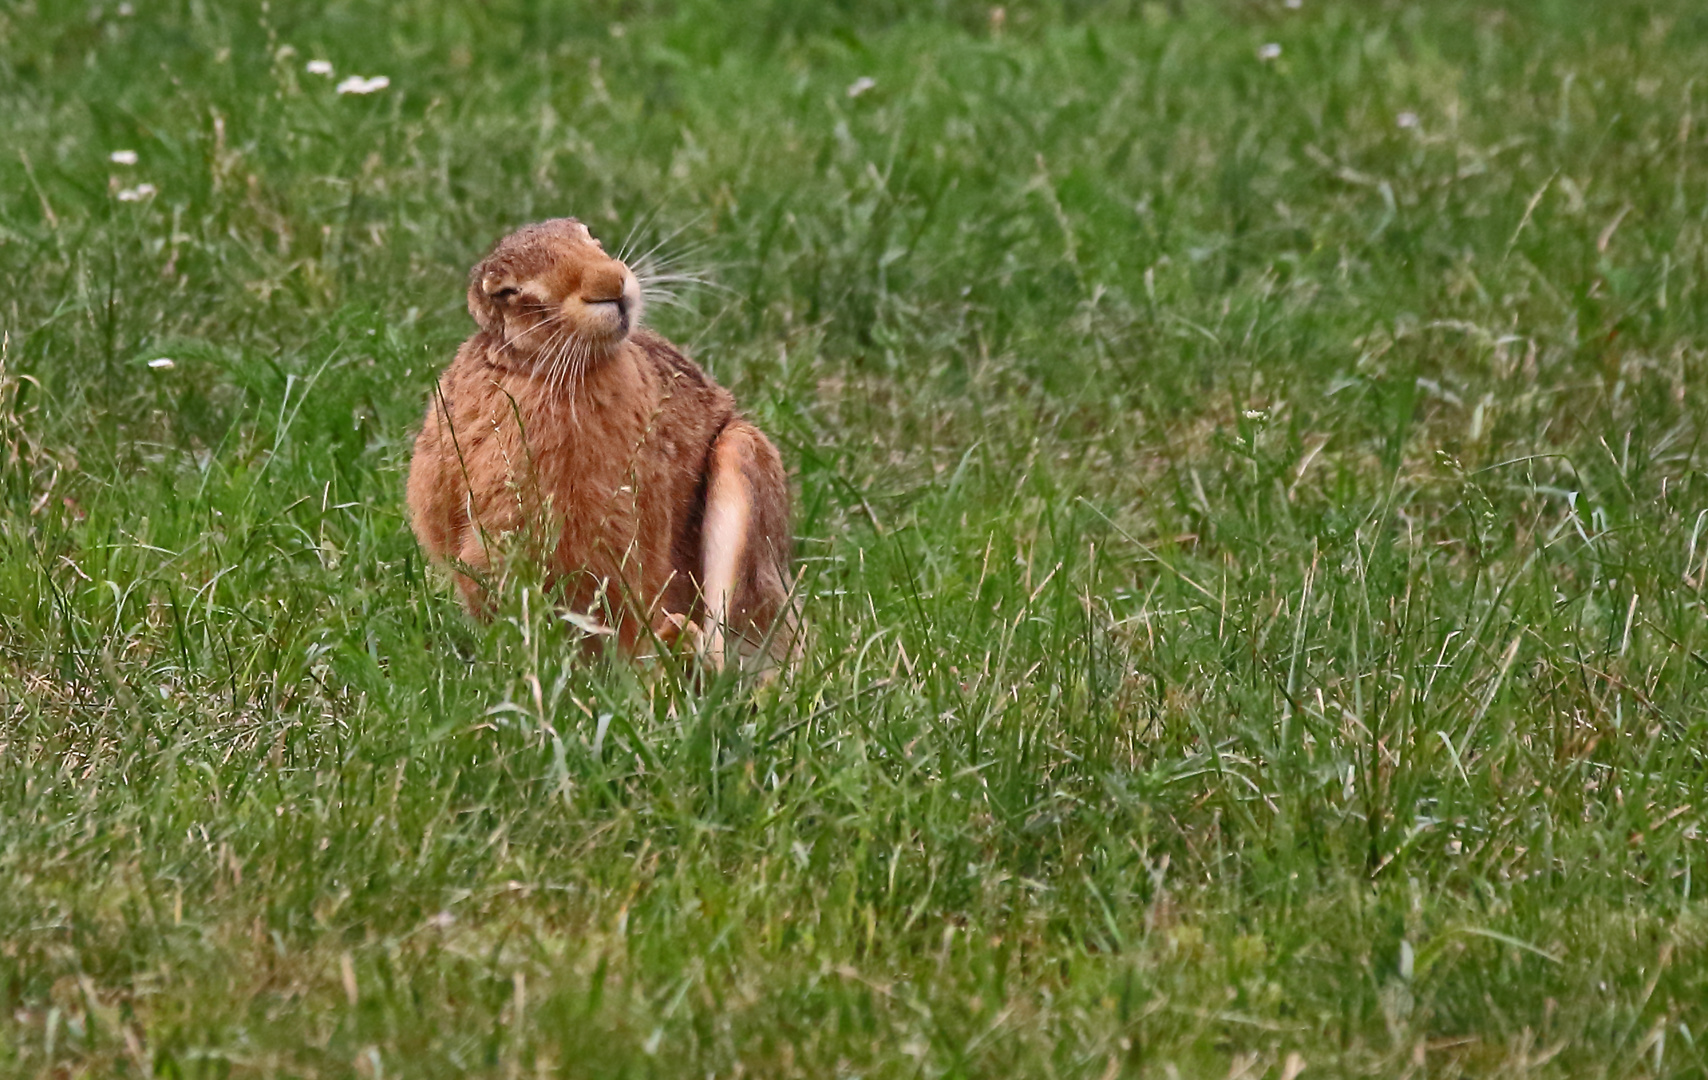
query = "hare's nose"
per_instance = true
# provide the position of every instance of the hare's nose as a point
(603, 285)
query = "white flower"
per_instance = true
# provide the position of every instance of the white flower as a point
(164, 363)
(126, 11)
(1407, 120)
(138, 193)
(1269, 51)
(1292, 5)
(122, 157)
(861, 85)
(319, 67)
(355, 84)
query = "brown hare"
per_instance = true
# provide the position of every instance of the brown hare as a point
(567, 433)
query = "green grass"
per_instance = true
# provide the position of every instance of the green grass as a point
(1255, 547)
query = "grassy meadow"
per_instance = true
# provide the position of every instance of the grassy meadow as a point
(1251, 512)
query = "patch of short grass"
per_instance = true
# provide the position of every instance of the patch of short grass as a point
(1251, 509)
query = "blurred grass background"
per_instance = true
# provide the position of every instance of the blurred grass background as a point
(1250, 502)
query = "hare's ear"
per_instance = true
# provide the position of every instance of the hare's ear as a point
(486, 289)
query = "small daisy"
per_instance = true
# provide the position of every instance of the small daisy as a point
(1269, 51)
(319, 67)
(1407, 120)
(122, 157)
(355, 84)
(138, 194)
(163, 363)
(861, 85)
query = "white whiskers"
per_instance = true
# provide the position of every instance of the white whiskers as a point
(663, 278)
(562, 359)
(564, 363)
(666, 282)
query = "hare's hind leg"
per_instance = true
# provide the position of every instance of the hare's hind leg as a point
(745, 550)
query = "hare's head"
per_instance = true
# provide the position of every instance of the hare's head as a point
(550, 292)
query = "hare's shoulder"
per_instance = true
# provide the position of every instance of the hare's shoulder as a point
(478, 372)
(672, 363)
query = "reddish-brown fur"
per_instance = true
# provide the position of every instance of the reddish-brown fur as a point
(562, 432)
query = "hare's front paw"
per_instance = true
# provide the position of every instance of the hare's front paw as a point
(679, 633)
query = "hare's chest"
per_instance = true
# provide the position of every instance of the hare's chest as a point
(587, 464)
(617, 506)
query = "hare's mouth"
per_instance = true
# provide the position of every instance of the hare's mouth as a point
(616, 315)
